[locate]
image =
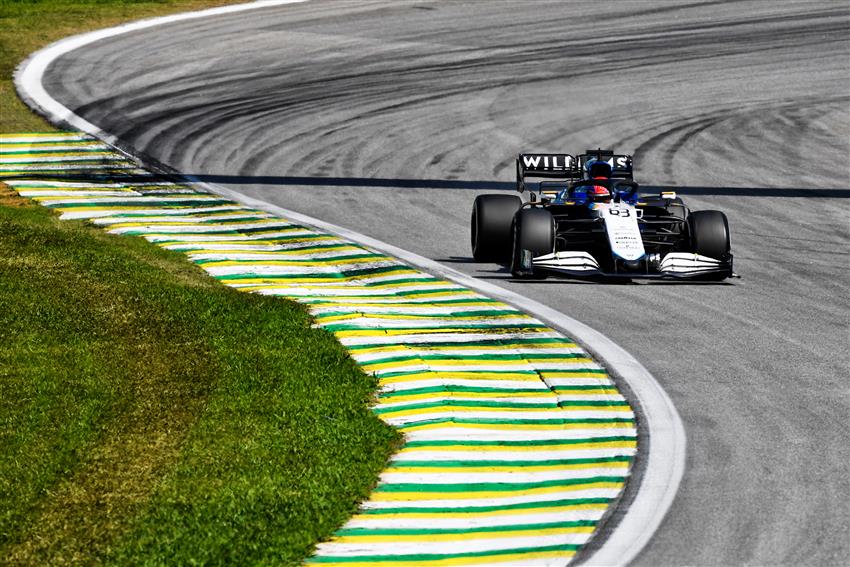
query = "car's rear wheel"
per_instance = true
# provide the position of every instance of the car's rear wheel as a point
(492, 216)
(533, 235)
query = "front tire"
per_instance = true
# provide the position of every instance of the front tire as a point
(710, 237)
(533, 235)
(710, 234)
(492, 216)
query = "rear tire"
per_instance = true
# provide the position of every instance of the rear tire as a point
(492, 216)
(533, 235)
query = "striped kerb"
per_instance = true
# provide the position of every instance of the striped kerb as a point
(517, 442)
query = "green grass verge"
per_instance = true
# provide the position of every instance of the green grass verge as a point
(150, 415)
(147, 413)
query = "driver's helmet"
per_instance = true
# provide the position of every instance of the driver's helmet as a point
(597, 169)
(598, 193)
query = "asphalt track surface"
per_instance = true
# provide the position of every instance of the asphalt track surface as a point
(389, 118)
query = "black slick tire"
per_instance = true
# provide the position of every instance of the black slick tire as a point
(710, 237)
(492, 216)
(710, 234)
(533, 235)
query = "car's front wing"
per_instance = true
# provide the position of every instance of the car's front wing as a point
(672, 265)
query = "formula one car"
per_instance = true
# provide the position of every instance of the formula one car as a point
(586, 217)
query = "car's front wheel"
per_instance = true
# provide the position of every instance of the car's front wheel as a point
(710, 237)
(710, 234)
(533, 235)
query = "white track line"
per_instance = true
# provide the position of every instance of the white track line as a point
(665, 457)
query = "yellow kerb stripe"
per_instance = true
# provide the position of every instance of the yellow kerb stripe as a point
(437, 496)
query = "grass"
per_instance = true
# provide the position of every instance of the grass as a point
(151, 415)
(147, 413)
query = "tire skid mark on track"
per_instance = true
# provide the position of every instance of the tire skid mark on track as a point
(518, 443)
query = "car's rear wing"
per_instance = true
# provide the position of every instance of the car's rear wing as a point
(559, 166)
(567, 167)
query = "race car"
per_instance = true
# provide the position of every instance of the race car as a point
(585, 216)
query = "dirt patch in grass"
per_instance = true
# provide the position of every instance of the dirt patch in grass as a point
(9, 198)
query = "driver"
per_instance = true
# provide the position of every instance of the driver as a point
(598, 169)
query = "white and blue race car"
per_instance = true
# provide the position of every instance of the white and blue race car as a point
(586, 217)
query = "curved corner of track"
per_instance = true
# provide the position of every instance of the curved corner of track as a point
(662, 447)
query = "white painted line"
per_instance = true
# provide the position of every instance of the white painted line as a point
(665, 456)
